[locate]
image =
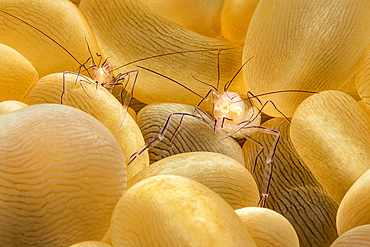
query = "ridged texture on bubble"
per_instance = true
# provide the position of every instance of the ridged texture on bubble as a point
(364, 106)
(193, 134)
(306, 45)
(11, 105)
(61, 20)
(222, 174)
(350, 88)
(132, 113)
(107, 239)
(175, 211)
(294, 191)
(354, 210)
(202, 17)
(91, 244)
(268, 228)
(77, 2)
(97, 102)
(358, 236)
(235, 19)
(331, 133)
(62, 172)
(363, 77)
(131, 31)
(17, 74)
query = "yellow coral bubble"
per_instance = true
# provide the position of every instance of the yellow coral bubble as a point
(354, 210)
(224, 175)
(306, 45)
(62, 172)
(175, 211)
(235, 19)
(62, 21)
(131, 31)
(17, 74)
(202, 16)
(193, 134)
(362, 78)
(358, 236)
(97, 102)
(294, 191)
(11, 105)
(268, 228)
(331, 133)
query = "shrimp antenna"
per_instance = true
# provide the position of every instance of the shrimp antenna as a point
(205, 83)
(280, 91)
(56, 42)
(88, 47)
(174, 53)
(227, 85)
(105, 61)
(218, 69)
(178, 83)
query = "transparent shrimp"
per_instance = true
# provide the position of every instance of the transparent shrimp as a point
(102, 76)
(233, 116)
(102, 72)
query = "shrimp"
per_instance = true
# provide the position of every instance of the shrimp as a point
(233, 116)
(102, 72)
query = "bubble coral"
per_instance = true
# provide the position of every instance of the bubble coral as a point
(51, 163)
(310, 45)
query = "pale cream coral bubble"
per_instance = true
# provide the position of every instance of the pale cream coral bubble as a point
(350, 88)
(331, 133)
(61, 20)
(11, 105)
(175, 211)
(224, 175)
(62, 172)
(17, 74)
(235, 19)
(267, 227)
(132, 113)
(77, 2)
(91, 244)
(202, 16)
(356, 237)
(107, 239)
(362, 78)
(364, 105)
(102, 105)
(354, 210)
(131, 31)
(307, 45)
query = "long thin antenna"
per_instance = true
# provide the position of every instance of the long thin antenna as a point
(88, 47)
(205, 83)
(178, 83)
(177, 52)
(227, 85)
(218, 69)
(280, 91)
(56, 42)
(132, 62)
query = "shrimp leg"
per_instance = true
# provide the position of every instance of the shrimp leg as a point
(160, 136)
